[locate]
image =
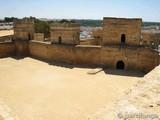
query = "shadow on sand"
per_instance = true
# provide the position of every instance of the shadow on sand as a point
(63, 64)
(71, 66)
(18, 57)
(132, 73)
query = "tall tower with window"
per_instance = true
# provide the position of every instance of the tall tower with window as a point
(65, 33)
(23, 29)
(121, 31)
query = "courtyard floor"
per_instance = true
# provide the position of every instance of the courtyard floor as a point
(37, 90)
(6, 32)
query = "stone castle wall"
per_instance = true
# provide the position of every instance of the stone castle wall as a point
(20, 48)
(23, 29)
(64, 48)
(97, 33)
(7, 49)
(77, 55)
(134, 59)
(142, 59)
(39, 37)
(65, 33)
(115, 28)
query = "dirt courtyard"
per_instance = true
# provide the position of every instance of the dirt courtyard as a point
(36, 90)
(6, 32)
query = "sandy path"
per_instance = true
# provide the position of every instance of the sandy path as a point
(35, 90)
(6, 32)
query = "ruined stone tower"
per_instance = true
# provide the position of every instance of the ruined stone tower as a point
(122, 30)
(23, 29)
(66, 33)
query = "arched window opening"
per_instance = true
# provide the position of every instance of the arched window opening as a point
(123, 38)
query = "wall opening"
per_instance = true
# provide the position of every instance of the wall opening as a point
(123, 38)
(59, 39)
(29, 37)
(120, 65)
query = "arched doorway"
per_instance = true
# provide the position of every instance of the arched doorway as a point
(59, 39)
(120, 65)
(123, 38)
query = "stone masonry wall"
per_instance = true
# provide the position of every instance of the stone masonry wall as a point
(23, 29)
(39, 37)
(114, 28)
(68, 54)
(65, 33)
(134, 58)
(7, 49)
(22, 48)
(142, 59)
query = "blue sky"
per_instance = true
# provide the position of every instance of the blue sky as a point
(148, 10)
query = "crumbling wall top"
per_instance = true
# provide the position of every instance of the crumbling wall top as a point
(23, 21)
(105, 18)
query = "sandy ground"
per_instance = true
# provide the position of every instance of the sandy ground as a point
(141, 102)
(6, 32)
(36, 90)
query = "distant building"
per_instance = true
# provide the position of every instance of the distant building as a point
(6, 26)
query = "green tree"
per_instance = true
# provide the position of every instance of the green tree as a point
(42, 27)
(7, 19)
(67, 21)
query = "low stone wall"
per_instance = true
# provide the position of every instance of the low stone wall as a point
(7, 49)
(88, 55)
(142, 59)
(39, 37)
(90, 42)
(6, 38)
(134, 58)
(137, 58)
(19, 48)
(22, 48)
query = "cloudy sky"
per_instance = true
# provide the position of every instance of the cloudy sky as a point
(148, 10)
